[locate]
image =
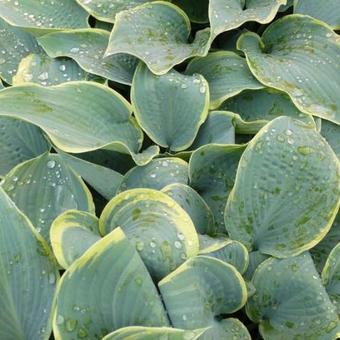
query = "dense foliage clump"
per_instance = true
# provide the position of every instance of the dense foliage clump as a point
(170, 169)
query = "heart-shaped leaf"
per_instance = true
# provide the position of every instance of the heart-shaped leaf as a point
(291, 212)
(193, 204)
(298, 55)
(87, 47)
(291, 302)
(158, 36)
(71, 234)
(161, 230)
(227, 74)
(45, 187)
(200, 290)
(325, 10)
(173, 121)
(28, 277)
(157, 174)
(43, 15)
(106, 289)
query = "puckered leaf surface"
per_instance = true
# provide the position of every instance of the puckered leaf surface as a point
(286, 192)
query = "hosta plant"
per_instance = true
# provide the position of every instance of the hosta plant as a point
(169, 169)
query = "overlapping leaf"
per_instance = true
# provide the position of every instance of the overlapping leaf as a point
(170, 108)
(68, 113)
(226, 15)
(325, 10)
(291, 302)
(157, 174)
(286, 193)
(106, 289)
(298, 55)
(40, 69)
(28, 276)
(43, 15)
(19, 142)
(71, 234)
(87, 47)
(227, 74)
(161, 230)
(45, 187)
(15, 44)
(156, 33)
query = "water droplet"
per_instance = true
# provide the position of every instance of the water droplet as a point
(178, 245)
(51, 278)
(202, 89)
(180, 236)
(51, 164)
(60, 319)
(153, 244)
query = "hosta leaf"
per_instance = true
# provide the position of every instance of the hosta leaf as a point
(298, 55)
(290, 301)
(331, 276)
(169, 108)
(104, 180)
(200, 290)
(255, 259)
(286, 193)
(227, 74)
(106, 289)
(332, 133)
(261, 106)
(87, 47)
(321, 251)
(197, 13)
(226, 15)
(161, 230)
(40, 69)
(15, 44)
(325, 10)
(70, 116)
(193, 204)
(156, 175)
(44, 187)
(158, 36)
(19, 141)
(28, 277)
(43, 15)
(106, 10)
(217, 129)
(72, 233)
(155, 333)
(212, 170)
(229, 251)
